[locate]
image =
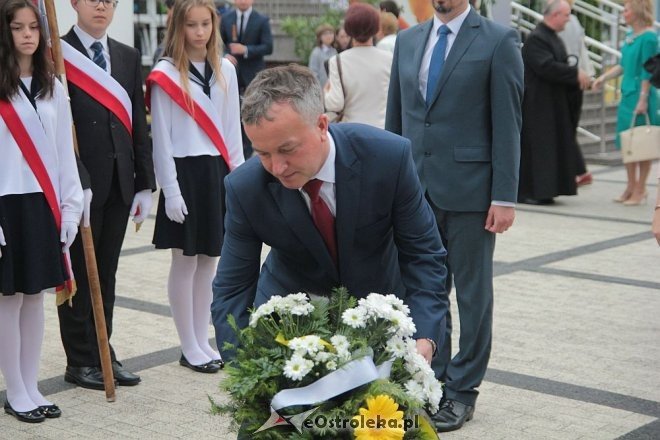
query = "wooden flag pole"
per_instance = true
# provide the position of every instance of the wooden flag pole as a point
(85, 232)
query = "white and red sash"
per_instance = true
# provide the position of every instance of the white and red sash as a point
(203, 111)
(98, 84)
(25, 127)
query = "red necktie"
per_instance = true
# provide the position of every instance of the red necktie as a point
(322, 217)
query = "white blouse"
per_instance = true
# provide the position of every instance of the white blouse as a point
(176, 134)
(58, 157)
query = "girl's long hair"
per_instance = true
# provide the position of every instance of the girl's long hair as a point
(10, 72)
(175, 41)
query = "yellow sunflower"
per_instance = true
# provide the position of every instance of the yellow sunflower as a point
(381, 420)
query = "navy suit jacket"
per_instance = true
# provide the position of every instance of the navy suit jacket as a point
(258, 39)
(388, 241)
(466, 141)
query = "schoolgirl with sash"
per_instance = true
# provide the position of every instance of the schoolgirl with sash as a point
(40, 203)
(193, 97)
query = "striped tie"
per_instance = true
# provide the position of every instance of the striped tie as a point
(97, 47)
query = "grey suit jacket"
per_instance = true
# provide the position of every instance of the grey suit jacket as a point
(466, 142)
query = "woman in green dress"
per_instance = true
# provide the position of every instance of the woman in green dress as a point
(638, 97)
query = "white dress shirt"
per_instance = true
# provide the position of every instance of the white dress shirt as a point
(176, 134)
(327, 175)
(87, 41)
(454, 26)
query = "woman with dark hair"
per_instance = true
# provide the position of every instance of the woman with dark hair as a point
(342, 40)
(359, 77)
(40, 202)
(322, 52)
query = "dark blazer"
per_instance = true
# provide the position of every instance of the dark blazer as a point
(387, 237)
(258, 39)
(467, 153)
(102, 138)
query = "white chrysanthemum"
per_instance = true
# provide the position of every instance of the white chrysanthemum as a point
(376, 306)
(432, 389)
(397, 303)
(355, 317)
(415, 390)
(322, 356)
(297, 345)
(297, 367)
(301, 309)
(397, 347)
(341, 344)
(402, 325)
(331, 365)
(312, 343)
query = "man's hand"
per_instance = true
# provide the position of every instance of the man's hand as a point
(237, 49)
(584, 79)
(598, 83)
(231, 59)
(425, 348)
(500, 218)
(141, 206)
(87, 206)
(2, 240)
(176, 209)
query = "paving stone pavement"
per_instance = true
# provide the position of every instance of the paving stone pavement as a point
(576, 349)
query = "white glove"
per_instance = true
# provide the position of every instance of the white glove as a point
(87, 197)
(176, 209)
(141, 205)
(2, 240)
(68, 234)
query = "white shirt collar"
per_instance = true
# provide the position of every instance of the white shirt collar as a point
(87, 40)
(454, 25)
(327, 171)
(247, 13)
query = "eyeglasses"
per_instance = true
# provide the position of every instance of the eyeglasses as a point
(107, 3)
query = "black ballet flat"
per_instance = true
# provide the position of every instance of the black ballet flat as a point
(50, 411)
(209, 367)
(33, 416)
(219, 362)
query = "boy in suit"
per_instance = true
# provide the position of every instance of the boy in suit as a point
(116, 168)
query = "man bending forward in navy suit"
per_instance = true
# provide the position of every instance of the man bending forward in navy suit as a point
(338, 206)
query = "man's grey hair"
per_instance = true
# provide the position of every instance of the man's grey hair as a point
(551, 6)
(292, 84)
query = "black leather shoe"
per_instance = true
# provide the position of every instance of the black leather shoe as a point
(123, 376)
(50, 411)
(452, 415)
(33, 416)
(85, 377)
(219, 362)
(539, 202)
(209, 367)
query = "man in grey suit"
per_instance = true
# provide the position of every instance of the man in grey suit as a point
(455, 91)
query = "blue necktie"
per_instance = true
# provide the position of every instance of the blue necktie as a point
(97, 47)
(437, 61)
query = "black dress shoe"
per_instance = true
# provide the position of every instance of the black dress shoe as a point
(123, 376)
(50, 411)
(33, 416)
(219, 362)
(452, 415)
(539, 202)
(85, 377)
(209, 367)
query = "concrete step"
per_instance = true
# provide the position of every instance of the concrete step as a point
(593, 111)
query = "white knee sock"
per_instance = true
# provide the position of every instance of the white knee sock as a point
(32, 335)
(10, 352)
(202, 297)
(180, 293)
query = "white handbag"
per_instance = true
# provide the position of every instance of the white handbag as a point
(640, 143)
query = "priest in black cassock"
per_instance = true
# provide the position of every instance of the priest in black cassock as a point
(548, 153)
